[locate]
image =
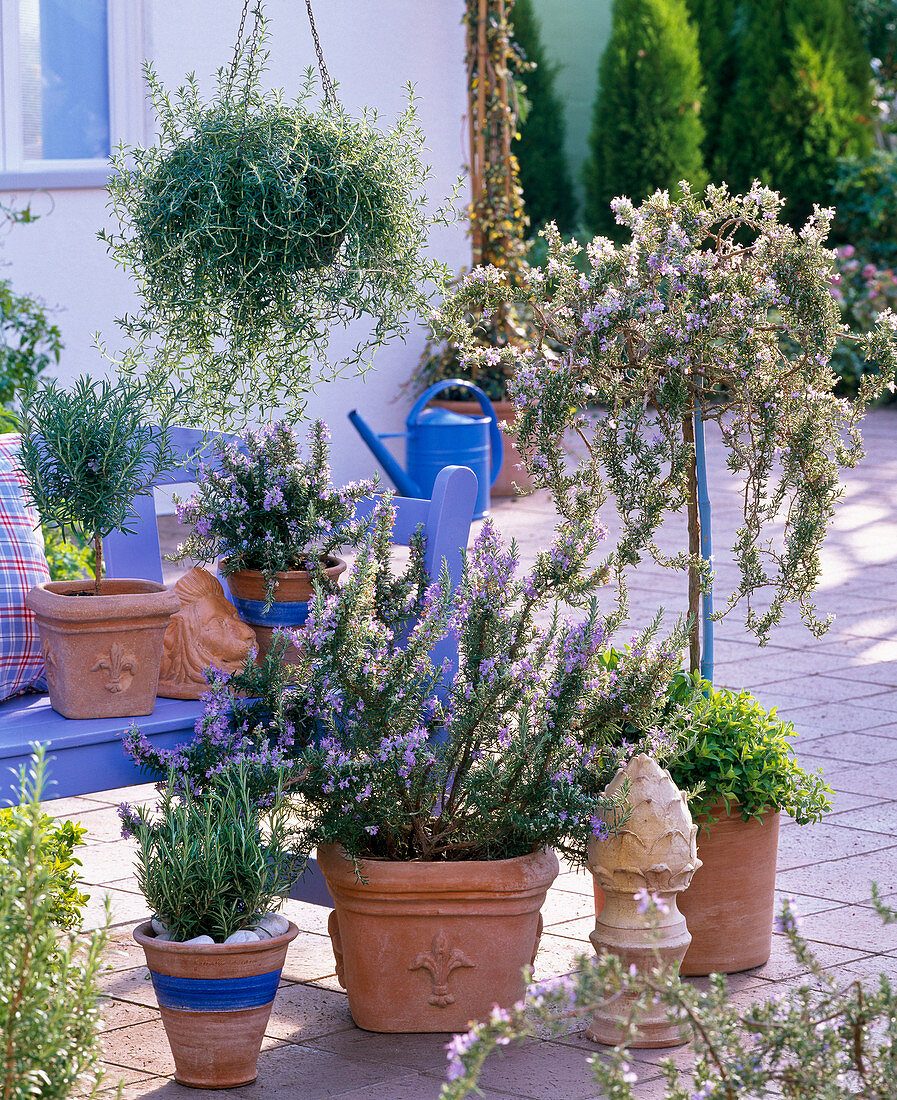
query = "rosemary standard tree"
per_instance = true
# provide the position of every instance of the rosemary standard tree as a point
(86, 453)
(713, 310)
(253, 226)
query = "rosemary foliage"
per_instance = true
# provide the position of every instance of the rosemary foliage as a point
(214, 863)
(255, 225)
(712, 305)
(86, 453)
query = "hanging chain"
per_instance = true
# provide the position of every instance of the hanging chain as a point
(232, 75)
(326, 82)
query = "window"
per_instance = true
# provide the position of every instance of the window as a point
(71, 89)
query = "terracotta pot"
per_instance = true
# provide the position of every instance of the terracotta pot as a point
(509, 473)
(427, 947)
(102, 653)
(215, 1001)
(291, 596)
(729, 906)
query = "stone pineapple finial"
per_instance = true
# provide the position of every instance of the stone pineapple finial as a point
(656, 850)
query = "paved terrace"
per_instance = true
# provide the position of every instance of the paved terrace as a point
(841, 693)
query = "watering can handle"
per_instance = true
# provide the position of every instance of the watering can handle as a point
(495, 436)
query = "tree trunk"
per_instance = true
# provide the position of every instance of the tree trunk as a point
(97, 563)
(694, 547)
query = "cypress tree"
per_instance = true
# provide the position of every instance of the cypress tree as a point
(715, 22)
(646, 131)
(801, 100)
(540, 147)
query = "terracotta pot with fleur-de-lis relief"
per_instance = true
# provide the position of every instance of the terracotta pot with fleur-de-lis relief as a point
(102, 653)
(427, 947)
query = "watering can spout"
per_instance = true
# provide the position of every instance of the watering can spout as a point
(397, 475)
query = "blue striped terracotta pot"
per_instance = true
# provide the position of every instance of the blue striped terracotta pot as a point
(215, 1001)
(291, 596)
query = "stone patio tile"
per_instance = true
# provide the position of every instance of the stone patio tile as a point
(536, 1070)
(414, 1087)
(869, 781)
(845, 880)
(288, 1072)
(844, 801)
(69, 809)
(851, 926)
(782, 966)
(872, 672)
(127, 907)
(310, 956)
(867, 970)
(790, 693)
(803, 904)
(566, 905)
(857, 748)
(107, 863)
(837, 718)
(133, 985)
(827, 765)
(419, 1053)
(803, 845)
(304, 1012)
(118, 1014)
(310, 918)
(113, 1074)
(879, 818)
(557, 955)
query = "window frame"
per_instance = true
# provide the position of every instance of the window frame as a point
(127, 102)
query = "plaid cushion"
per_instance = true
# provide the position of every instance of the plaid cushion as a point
(22, 566)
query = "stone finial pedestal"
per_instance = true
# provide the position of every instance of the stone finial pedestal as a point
(656, 850)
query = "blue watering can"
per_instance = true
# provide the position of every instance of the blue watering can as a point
(438, 438)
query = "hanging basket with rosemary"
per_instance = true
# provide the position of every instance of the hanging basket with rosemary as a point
(254, 225)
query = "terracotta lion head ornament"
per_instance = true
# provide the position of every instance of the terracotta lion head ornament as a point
(205, 633)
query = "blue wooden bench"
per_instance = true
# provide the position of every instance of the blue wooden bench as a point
(86, 756)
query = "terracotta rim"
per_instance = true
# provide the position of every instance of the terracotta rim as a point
(122, 598)
(292, 585)
(519, 873)
(144, 935)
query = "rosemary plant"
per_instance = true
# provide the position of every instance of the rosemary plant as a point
(49, 982)
(253, 226)
(714, 306)
(86, 453)
(827, 1040)
(212, 864)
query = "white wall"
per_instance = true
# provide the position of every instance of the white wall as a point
(372, 50)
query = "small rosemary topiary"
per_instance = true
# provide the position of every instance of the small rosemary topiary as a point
(86, 453)
(253, 226)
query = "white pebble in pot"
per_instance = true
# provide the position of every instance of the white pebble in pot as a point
(271, 925)
(243, 936)
(200, 939)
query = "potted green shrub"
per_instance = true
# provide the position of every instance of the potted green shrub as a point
(212, 868)
(740, 765)
(254, 225)
(85, 454)
(435, 795)
(274, 518)
(430, 787)
(713, 310)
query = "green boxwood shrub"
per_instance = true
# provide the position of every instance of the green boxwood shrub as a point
(865, 197)
(646, 129)
(741, 754)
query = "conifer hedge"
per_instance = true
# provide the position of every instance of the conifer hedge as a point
(646, 129)
(544, 172)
